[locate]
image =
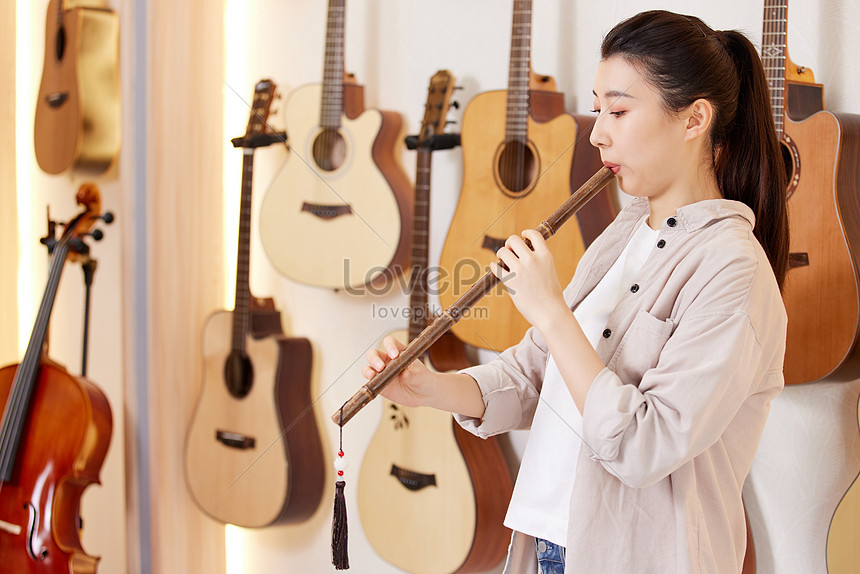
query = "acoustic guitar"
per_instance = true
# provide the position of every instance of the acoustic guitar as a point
(821, 151)
(843, 552)
(253, 455)
(77, 125)
(446, 490)
(342, 186)
(54, 437)
(518, 152)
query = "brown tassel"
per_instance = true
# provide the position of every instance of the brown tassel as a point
(339, 529)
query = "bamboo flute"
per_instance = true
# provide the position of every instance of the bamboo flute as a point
(452, 314)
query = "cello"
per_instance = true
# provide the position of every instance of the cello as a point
(54, 437)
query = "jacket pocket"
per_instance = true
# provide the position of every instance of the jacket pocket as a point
(640, 348)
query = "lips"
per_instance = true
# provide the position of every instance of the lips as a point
(612, 166)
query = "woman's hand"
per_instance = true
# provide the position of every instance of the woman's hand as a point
(531, 280)
(412, 387)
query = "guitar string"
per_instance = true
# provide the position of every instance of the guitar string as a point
(310, 407)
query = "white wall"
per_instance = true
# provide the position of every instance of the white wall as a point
(811, 449)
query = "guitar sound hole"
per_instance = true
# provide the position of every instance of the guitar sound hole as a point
(329, 149)
(517, 167)
(791, 160)
(238, 374)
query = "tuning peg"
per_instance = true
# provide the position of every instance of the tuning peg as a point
(455, 104)
(458, 88)
(97, 234)
(107, 217)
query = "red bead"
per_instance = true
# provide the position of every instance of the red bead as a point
(340, 473)
(340, 453)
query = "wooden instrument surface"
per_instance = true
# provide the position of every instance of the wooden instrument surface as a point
(485, 216)
(446, 490)
(843, 552)
(351, 248)
(338, 213)
(821, 291)
(54, 437)
(253, 453)
(77, 121)
(268, 480)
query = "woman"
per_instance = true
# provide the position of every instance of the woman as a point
(665, 350)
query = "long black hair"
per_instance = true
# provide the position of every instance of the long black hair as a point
(686, 60)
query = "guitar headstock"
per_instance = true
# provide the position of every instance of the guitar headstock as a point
(438, 102)
(264, 96)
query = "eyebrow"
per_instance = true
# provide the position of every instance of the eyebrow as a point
(614, 94)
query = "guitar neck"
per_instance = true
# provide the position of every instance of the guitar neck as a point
(418, 302)
(25, 377)
(773, 56)
(332, 88)
(516, 125)
(241, 307)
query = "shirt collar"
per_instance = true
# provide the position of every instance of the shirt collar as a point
(697, 215)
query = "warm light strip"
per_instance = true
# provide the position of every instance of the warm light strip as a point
(235, 116)
(237, 96)
(25, 64)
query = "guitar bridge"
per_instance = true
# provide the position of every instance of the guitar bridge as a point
(411, 479)
(326, 211)
(798, 260)
(492, 243)
(235, 440)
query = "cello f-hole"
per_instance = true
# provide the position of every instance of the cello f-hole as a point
(31, 534)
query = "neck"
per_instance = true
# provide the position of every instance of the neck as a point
(696, 185)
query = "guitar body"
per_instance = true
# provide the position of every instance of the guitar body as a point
(78, 108)
(486, 215)
(64, 445)
(280, 477)
(448, 519)
(342, 228)
(843, 553)
(821, 293)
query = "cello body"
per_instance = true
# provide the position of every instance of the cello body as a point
(65, 441)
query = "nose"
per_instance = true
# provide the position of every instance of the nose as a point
(598, 137)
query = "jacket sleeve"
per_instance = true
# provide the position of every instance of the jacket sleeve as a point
(707, 370)
(510, 386)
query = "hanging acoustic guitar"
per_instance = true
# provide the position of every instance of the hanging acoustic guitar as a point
(77, 125)
(253, 454)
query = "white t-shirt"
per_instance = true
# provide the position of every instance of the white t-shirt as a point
(541, 499)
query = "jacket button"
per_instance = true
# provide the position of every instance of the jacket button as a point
(606, 333)
(671, 222)
(634, 288)
(661, 244)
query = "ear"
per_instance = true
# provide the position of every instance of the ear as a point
(699, 116)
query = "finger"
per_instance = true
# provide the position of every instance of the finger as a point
(375, 360)
(392, 347)
(508, 258)
(517, 245)
(534, 237)
(368, 372)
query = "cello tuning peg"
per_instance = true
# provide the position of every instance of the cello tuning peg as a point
(107, 217)
(97, 234)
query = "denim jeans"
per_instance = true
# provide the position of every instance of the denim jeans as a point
(550, 557)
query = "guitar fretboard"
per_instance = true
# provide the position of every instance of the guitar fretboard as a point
(332, 88)
(773, 56)
(420, 246)
(516, 125)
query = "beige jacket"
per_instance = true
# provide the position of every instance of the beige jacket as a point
(693, 355)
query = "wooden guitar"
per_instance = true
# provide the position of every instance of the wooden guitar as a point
(512, 171)
(821, 151)
(53, 440)
(843, 553)
(445, 489)
(78, 110)
(253, 455)
(341, 185)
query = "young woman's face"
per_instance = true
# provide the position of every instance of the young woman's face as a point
(636, 137)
